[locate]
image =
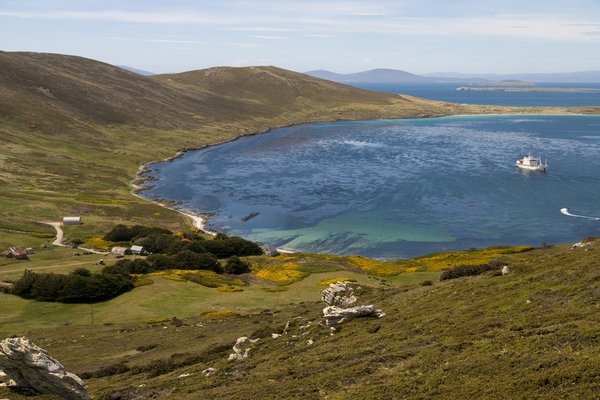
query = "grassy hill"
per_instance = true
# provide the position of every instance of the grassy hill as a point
(74, 131)
(532, 334)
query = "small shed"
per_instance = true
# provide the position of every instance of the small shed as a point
(15, 252)
(135, 249)
(72, 221)
(118, 251)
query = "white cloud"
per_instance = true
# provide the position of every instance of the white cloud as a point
(270, 37)
(320, 35)
(171, 41)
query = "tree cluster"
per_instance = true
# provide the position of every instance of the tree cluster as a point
(81, 286)
(123, 233)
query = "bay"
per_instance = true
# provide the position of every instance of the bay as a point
(396, 188)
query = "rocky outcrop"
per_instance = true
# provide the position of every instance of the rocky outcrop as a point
(241, 348)
(340, 300)
(31, 368)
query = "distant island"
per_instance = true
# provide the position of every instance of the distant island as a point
(508, 83)
(526, 89)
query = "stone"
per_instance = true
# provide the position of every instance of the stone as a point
(241, 348)
(33, 369)
(505, 270)
(336, 315)
(209, 372)
(339, 294)
(340, 300)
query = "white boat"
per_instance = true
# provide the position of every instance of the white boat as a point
(531, 163)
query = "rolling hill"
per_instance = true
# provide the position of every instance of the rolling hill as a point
(75, 131)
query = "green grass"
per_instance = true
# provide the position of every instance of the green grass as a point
(529, 335)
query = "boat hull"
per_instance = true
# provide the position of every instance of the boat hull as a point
(538, 168)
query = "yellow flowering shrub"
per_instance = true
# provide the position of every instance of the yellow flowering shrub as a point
(328, 282)
(220, 314)
(280, 275)
(97, 242)
(229, 289)
(380, 268)
(142, 282)
(175, 278)
(440, 261)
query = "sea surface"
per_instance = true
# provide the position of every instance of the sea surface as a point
(397, 188)
(448, 92)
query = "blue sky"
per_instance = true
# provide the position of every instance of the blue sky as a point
(419, 36)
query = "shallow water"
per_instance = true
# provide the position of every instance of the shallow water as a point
(397, 188)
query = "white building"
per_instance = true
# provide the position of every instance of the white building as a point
(72, 221)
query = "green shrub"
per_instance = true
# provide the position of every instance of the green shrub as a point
(122, 233)
(236, 266)
(466, 270)
(72, 288)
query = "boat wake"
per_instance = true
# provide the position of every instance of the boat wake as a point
(565, 211)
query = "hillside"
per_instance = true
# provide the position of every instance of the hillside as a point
(532, 334)
(75, 130)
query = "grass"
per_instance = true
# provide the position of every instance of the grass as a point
(531, 334)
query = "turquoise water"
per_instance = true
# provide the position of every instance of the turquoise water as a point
(397, 188)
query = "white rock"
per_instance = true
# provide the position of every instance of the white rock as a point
(32, 368)
(309, 342)
(185, 375)
(340, 300)
(505, 270)
(209, 372)
(275, 335)
(339, 294)
(241, 348)
(336, 315)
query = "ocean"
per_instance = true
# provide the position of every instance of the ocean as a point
(396, 188)
(448, 92)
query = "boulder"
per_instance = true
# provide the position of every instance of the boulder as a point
(505, 270)
(336, 315)
(339, 294)
(241, 348)
(340, 300)
(31, 368)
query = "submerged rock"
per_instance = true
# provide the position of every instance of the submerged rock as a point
(31, 368)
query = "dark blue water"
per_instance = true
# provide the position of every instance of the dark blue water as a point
(448, 92)
(397, 188)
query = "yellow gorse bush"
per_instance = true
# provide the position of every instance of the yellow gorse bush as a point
(280, 274)
(97, 242)
(328, 282)
(220, 314)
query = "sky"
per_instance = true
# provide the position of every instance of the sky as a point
(419, 36)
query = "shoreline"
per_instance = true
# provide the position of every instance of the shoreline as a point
(199, 221)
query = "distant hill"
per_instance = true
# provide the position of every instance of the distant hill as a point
(373, 76)
(508, 83)
(135, 70)
(381, 75)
